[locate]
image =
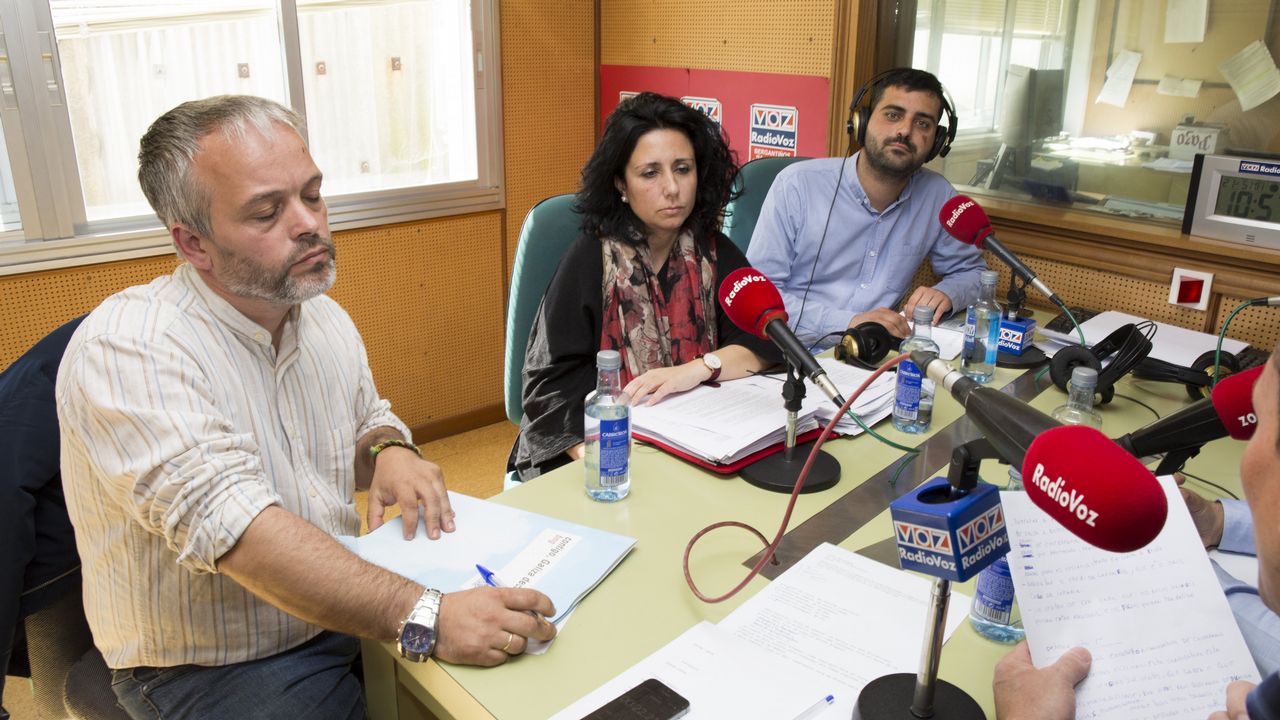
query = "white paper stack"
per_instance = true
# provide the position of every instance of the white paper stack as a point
(721, 425)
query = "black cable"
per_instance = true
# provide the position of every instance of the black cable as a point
(822, 241)
(1214, 485)
(1132, 399)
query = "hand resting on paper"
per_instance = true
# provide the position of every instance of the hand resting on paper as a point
(1206, 514)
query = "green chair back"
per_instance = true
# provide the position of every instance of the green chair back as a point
(754, 180)
(548, 230)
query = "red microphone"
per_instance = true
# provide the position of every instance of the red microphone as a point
(754, 304)
(1228, 411)
(1094, 489)
(965, 220)
(1233, 399)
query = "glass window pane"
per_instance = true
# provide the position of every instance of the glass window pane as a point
(10, 221)
(125, 63)
(390, 92)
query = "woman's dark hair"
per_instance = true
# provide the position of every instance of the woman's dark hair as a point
(603, 212)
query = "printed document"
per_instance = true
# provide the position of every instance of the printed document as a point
(845, 618)
(1163, 639)
(561, 559)
(711, 669)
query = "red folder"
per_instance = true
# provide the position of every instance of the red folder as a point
(732, 467)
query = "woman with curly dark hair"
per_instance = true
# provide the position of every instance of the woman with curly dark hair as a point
(642, 279)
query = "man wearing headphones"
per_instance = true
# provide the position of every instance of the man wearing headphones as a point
(843, 237)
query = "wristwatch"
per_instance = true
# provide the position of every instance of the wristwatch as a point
(712, 361)
(418, 632)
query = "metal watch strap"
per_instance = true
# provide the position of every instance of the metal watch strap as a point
(426, 612)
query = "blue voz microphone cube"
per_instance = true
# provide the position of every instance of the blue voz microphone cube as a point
(949, 539)
(1017, 334)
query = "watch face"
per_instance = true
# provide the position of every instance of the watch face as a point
(711, 361)
(417, 638)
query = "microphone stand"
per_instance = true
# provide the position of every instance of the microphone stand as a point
(1032, 356)
(929, 697)
(778, 472)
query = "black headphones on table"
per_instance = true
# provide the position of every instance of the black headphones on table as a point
(1198, 378)
(1127, 346)
(860, 117)
(866, 345)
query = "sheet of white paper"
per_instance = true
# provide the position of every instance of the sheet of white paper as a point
(845, 618)
(1178, 87)
(1170, 165)
(1171, 343)
(1252, 74)
(711, 668)
(1163, 640)
(1241, 567)
(1185, 20)
(1120, 77)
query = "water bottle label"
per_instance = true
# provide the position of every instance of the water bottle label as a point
(615, 450)
(906, 403)
(993, 340)
(993, 599)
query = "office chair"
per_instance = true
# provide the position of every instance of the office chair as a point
(754, 180)
(42, 623)
(548, 230)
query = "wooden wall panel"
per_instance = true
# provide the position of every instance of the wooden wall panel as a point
(549, 102)
(754, 35)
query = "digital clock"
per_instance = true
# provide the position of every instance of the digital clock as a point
(1236, 199)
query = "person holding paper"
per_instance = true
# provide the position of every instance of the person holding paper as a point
(642, 279)
(215, 424)
(1023, 691)
(1227, 525)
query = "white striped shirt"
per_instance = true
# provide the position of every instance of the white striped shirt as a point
(180, 423)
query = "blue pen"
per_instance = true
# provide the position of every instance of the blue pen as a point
(814, 709)
(492, 580)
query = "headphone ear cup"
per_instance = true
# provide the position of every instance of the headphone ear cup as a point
(1067, 359)
(860, 125)
(939, 143)
(874, 341)
(1228, 364)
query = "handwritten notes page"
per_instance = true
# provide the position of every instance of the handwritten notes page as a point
(844, 618)
(1163, 640)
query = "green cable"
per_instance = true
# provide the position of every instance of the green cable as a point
(1217, 351)
(877, 435)
(1079, 331)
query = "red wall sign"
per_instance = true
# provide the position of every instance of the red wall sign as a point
(763, 114)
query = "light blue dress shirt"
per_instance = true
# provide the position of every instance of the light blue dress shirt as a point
(1258, 624)
(867, 259)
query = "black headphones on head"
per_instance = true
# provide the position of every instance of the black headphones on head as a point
(860, 117)
(1127, 346)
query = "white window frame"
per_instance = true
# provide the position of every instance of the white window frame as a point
(46, 177)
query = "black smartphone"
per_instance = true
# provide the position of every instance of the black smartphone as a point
(650, 700)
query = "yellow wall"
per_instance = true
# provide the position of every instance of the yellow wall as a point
(429, 297)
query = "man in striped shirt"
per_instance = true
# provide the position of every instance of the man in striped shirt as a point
(215, 425)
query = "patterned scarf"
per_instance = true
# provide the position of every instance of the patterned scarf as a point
(648, 329)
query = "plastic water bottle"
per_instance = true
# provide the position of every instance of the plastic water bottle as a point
(982, 332)
(994, 613)
(1079, 408)
(607, 443)
(913, 394)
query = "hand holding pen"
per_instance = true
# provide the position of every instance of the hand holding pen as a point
(492, 580)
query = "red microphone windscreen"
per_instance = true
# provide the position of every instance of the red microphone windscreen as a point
(751, 301)
(1093, 488)
(965, 220)
(1233, 399)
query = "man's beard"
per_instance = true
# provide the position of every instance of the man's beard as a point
(892, 167)
(248, 278)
